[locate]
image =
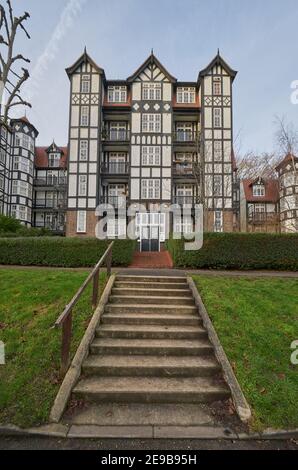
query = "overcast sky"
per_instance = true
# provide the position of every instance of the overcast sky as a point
(257, 38)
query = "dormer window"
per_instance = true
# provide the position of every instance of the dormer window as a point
(186, 95)
(54, 160)
(117, 94)
(258, 190)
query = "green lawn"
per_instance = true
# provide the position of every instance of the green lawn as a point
(257, 320)
(30, 301)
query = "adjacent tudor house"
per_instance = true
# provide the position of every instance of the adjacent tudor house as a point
(259, 205)
(50, 186)
(150, 139)
(288, 192)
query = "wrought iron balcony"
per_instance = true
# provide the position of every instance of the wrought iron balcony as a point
(185, 200)
(115, 168)
(49, 204)
(53, 226)
(263, 217)
(50, 181)
(115, 135)
(118, 202)
(183, 170)
(186, 137)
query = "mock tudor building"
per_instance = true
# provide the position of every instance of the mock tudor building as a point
(150, 139)
(32, 179)
(288, 193)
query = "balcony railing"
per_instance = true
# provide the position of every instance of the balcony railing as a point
(118, 202)
(186, 136)
(116, 136)
(185, 200)
(50, 181)
(263, 217)
(183, 169)
(115, 168)
(49, 204)
(54, 226)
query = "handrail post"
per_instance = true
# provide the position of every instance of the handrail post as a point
(66, 341)
(109, 262)
(95, 289)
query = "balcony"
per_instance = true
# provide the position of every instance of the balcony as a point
(183, 170)
(185, 200)
(263, 218)
(115, 135)
(50, 181)
(186, 137)
(60, 204)
(54, 226)
(118, 202)
(115, 168)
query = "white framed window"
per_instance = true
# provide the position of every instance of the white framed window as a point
(18, 140)
(217, 117)
(258, 190)
(2, 155)
(21, 188)
(116, 228)
(217, 185)
(151, 189)
(85, 86)
(2, 182)
(117, 94)
(218, 221)
(21, 212)
(217, 150)
(151, 122)
(217, 87)
(183, 224)
(260, 208)
(25, 141)
(54, 160)
(151, 155)
(118, 131)
(186, 95)
(84, 116)
(152, 91)
(23, 164)
(83, 150)
(82, 185)
(184, 194)
(81, 221)
(185, 132)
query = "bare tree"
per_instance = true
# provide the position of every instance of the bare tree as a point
(286, 137)
(11, 79)
(251, 165)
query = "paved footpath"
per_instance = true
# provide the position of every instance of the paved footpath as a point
(34, 443)
(170, 272)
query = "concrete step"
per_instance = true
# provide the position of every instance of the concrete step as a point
(146, 279)
(136, 318)
(150, 332)
(149, 309)
(150, 300)
(150, 285)
(149, 389)
(136, 291)
(161, 347)
(153, 366)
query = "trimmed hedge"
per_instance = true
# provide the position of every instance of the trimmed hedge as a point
(239, 251)
(62, 252)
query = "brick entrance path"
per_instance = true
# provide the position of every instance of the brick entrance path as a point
(154, 260)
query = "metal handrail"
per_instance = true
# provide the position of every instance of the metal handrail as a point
(65, 319)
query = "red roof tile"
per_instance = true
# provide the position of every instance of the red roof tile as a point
(271, 190)
(288, 159)
(42, 157)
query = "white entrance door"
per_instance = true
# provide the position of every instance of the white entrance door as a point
(151, 230)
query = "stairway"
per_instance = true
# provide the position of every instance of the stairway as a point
(151, 361)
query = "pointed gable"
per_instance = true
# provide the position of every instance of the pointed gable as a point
(152, 70)
(218, 60)
(84, 59)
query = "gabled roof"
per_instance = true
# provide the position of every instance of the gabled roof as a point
(218, 60)
(271, 190)
(42, 156)
(151, 60)
(289, 158)
(84, 59)
(25, 120)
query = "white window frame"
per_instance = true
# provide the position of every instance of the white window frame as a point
(218, 221)
(217, 117)
(217, 87)
(84, 149)
(21, 188)
(116, 227)
(151, 155)
(85, 85)
(117, 94)
(151, 123)
(82, 185)
(150, 188)
(218, 152)
(186, 95)
(183, 224)
(151, 91)
(54, 160)
(84, 116)
(258, 190)
(217, 186)
(26, 141)
(81, 221)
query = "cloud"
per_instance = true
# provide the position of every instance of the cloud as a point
(65, 23)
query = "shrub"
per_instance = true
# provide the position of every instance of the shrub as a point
(10, 227)
(9, 224)
(239, 251)
(62, 252)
